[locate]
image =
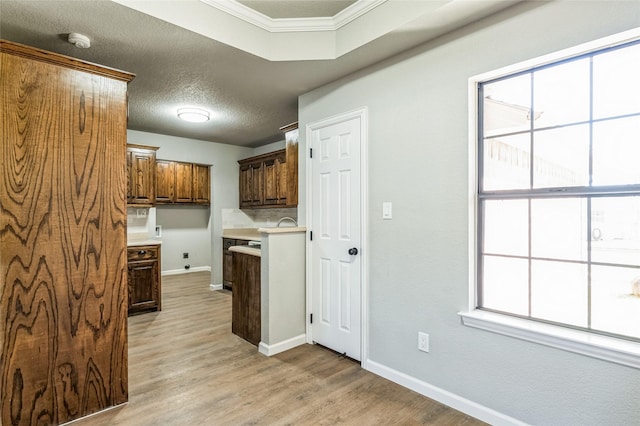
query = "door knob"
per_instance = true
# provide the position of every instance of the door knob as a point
(353, 251)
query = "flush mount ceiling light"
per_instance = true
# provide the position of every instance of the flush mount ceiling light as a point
(193, 115)
(79, 40)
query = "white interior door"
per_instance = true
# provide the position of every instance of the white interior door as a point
(336, 244)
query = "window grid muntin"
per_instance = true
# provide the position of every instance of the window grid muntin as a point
(588, 192)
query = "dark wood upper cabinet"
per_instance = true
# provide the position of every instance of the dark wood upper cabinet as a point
(141, 182)
(275, 180)
(264, 181)
(201, 182)
(271, 180)
(165, 181)
(182, 183)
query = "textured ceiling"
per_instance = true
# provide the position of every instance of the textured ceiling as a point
(250, 98)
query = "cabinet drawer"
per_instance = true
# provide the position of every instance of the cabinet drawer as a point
(142, 253)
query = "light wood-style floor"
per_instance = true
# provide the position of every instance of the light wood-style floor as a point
(187, 368)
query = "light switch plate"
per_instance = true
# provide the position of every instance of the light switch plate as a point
(387, 210)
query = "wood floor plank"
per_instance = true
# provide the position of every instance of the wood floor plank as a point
(187, 368)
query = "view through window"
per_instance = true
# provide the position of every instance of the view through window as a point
(559, 193)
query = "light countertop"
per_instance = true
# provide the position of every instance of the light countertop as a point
(249, 234)
(149, 242)
(282, 230)
(254, 234)
(246, 250)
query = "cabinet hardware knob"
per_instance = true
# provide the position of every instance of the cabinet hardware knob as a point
(141, 252)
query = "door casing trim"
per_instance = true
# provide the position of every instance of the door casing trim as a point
(363, 115)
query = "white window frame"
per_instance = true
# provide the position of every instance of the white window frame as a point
(604, 347)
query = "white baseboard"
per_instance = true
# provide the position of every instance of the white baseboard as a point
(285, 345)
(215, 286)
(445, 397)
(186, 271)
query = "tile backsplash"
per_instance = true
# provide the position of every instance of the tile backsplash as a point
(236, 218)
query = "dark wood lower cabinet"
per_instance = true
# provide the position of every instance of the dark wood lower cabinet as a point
(143, 267)
(227, 260)
(245, 311)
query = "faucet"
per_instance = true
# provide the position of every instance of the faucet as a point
(286, 218)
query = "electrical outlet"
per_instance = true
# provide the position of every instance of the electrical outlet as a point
(185, 255)
(423, 341)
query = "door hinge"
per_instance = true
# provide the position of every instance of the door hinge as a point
(310, 318)
(311, 235)
(310, 152)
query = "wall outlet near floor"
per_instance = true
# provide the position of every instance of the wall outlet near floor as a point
(423, 341)
(185, 255)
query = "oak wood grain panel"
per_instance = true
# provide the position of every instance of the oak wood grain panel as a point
(63, 295)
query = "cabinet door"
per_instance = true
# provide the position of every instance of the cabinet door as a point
(201, 183)
(246, 194)
(143, 286)
(270, 171)
(257, 184)
(143, 177)
(165, 181)
(227, 262)
(184, 182)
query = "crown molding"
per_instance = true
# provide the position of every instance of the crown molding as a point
(289, 25)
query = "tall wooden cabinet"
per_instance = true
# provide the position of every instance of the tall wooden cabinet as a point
(63, 278)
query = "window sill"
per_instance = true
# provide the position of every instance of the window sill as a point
(606, 348)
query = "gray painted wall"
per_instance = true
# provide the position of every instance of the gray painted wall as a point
(418, 276)
(197, 230)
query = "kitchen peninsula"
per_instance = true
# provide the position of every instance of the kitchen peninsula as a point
(281, 288)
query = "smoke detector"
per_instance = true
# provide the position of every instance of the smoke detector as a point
(79, 40)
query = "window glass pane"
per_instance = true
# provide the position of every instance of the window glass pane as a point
(559, 292)
(616, 86)
(506, 163)
(615, 230)
(505, 284)
(615, 300)
(561, 157)
(506, 105)
(561, 94)
(616, 152)
(506, 227)
(559, 228)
